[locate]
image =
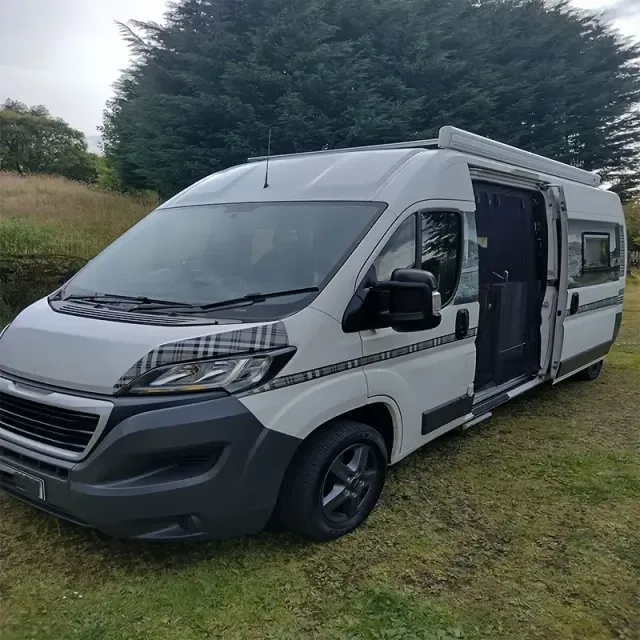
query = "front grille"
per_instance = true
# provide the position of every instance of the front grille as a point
(34, 463)
(53, 426)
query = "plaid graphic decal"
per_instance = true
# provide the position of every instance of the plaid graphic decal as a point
(271, 336)
(346, 365)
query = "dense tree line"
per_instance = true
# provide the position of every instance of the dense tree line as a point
(205, 87)
(32, 141)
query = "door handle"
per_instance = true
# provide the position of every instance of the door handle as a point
(575, 303)
(462, 324)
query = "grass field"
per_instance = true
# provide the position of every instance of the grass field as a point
(52, 215)
(526, 526)
(46, 223)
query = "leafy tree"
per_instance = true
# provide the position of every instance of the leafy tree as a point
(106, 175)
(31, 141)
(205, 87)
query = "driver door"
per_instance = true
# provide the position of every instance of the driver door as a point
(430, 373)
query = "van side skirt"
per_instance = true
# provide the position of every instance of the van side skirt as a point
(446, 413)
(584, 359)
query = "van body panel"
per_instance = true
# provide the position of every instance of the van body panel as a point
(87, 354)
(317, 384)
(595, 293)
(431, 374)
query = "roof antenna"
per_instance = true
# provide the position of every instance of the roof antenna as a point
(266, 172)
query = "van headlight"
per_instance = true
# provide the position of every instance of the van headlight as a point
(233, 375)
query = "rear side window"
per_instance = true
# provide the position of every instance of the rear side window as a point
(441, 244)
(596, 253)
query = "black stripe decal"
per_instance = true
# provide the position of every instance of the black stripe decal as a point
(617, 325)
(600, 304)
(346, 365)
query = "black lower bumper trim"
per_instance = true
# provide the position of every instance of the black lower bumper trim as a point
(44, 506)
(203, 470)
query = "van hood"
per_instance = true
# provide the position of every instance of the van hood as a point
(103, 356)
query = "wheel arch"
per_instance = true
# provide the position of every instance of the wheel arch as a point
(381, 413)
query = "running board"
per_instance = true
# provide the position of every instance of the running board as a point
(474, 421)
(486, 406)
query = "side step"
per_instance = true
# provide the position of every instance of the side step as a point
(474, 421)
(490, 404)
(484, 408)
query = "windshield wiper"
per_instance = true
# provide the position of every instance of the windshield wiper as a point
(246, 300)
(252, 298)
(150, 304)
(115, 297)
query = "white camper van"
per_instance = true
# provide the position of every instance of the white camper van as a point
(266, 343)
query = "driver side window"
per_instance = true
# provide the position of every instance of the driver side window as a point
(399, 252)
(440, 250)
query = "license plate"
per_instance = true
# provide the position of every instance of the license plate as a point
(21, 482)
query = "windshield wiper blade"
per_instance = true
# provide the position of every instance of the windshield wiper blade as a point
(150, 304)
(251, 298)
(116, 297)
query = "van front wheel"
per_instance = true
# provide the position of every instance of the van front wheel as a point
(334, 482)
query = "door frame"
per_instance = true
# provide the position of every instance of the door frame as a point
(557, 197)
(556, 294)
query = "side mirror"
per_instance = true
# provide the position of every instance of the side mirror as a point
(407, 302)
(413, 301)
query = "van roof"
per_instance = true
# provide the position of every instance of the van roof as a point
(361, 173)
(333, 176)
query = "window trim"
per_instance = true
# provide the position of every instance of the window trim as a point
(601, 235)
(461, 243)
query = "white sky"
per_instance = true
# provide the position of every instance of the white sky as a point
(66, 54)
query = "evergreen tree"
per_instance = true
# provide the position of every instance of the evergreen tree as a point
(205, 88)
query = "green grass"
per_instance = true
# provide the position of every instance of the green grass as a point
(54, 220)
(49, 215)
(525, 526)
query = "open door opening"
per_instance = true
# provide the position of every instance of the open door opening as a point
(512, 250)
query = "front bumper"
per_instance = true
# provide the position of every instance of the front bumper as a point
(201, 468)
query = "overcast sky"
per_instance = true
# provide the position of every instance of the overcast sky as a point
(66, 54)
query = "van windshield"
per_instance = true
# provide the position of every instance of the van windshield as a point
(203, 255)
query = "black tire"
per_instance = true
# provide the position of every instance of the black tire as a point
(330, 489)
(591, 373)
